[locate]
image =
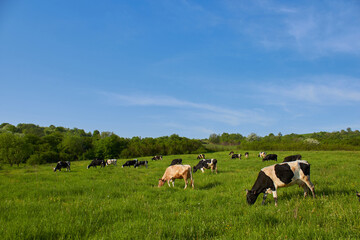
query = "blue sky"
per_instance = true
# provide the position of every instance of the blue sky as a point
(155, 68)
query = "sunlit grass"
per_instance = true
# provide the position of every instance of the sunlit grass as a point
(125, 203)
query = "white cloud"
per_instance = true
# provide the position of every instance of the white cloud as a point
(195, 110)
(321, 90)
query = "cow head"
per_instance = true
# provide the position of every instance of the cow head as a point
(161, 182)
(251, 196)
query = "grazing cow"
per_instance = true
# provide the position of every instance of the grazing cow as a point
(130, 163)
(176, 161)
(201, 156)
(177, 172)
(292, 158)
(262, 154)
(111, 161)
(236, 156)
(270, 157)
(206, 163)
(358, 194)
(141, 163)
(281, 175)
(157, 157)
(97, 162)
(247, 154)
(61, 165)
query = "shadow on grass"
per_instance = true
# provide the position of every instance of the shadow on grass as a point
(209, 186)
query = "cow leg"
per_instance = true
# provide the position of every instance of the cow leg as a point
(169, 182)
(310, 185)
(264, 198)
(275, 197)
(186, 183)
(173, 182)
(202, 169)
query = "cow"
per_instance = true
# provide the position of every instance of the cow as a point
(141, 163)
(247, 154)
(130, 163)
(270, 157)
(231, 153)
(292, 158)
(157, 157)
(236, 156)
(206, 163)
(111, 161)
(177, 172)
(201, 156)
(97, 162)
(358, 194)
(61, 165)
(281, 175)
(262, 154)
(176, 161)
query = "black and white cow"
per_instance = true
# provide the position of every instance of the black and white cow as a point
(247, 154)
(111, 162)
(281, 175)
(176, 161)
(61, 165)
(97, 162)
(201, 156)
(141, 163)
(130, 163)
(292, 158)
(157, 157)
(270, 157)
(236, 155)
(206, 163)
(262, 154)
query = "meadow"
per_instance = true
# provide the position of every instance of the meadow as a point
(125, 203)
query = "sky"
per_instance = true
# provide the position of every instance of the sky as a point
(152, 68)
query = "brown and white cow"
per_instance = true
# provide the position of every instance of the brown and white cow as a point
(177, 172)
(111, 162)
(281, 175)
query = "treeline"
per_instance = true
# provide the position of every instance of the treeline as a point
(339, 140)
(32, 144)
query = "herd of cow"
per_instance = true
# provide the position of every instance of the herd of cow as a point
(291, 171)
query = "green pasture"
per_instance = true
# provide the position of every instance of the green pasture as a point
(125, 203)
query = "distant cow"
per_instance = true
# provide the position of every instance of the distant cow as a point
(141, 163)
(262, 154)
(270, 157)
(176, 161)
(97, 162)
(236, 155)
(61, 165)
(157, 157)
(130, 163)
(292, 158)
(281, 175)
(111, 161)
(201, 156)
(246, 154)
(177, 172)
(358, 194)
(206, 164)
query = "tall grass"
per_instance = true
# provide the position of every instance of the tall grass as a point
(125, 203)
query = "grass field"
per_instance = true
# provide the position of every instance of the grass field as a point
(125, 203)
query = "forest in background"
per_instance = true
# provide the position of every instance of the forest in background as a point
(33, 144)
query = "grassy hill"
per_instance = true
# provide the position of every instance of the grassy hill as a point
(125, 203)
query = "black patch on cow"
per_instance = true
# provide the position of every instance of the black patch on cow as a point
(284, 173)
(305, 168)
(262, 183)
